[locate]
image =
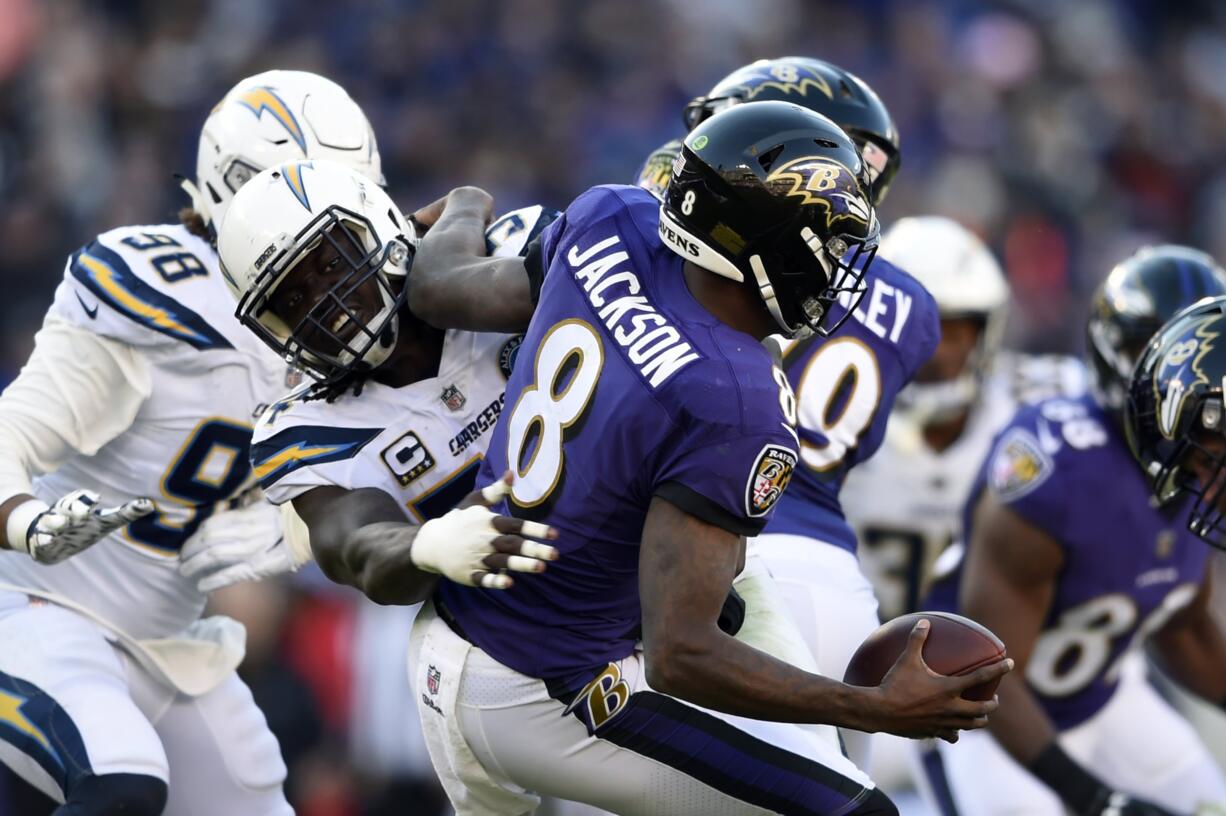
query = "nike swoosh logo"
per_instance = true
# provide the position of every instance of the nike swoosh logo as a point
(93, 313)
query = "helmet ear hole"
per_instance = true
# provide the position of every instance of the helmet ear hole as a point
(212, 193)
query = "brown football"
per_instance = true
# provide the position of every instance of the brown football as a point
(955, 646)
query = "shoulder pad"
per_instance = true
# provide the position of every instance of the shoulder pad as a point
(125, 285)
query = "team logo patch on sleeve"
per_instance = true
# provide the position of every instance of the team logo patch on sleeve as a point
(769, 478)
(1018, 466)
(507, 355)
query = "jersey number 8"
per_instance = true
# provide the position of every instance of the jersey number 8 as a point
(568, 365)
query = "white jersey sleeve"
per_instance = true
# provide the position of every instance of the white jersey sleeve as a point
(511, 233)
(77, 392)
(132, 284)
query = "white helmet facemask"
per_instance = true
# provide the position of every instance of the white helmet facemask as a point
(318, 257)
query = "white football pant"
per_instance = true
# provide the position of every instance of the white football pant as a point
(73, 704)
(832, 604)
(499, 741)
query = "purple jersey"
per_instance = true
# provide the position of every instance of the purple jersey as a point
(1062, 465)
(625, 389)
(845, 386)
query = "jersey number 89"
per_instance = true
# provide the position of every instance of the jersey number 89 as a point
(568, 365)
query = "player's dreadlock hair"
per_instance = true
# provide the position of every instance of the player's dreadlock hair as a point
(194, 221)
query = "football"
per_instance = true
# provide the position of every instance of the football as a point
(955, 646)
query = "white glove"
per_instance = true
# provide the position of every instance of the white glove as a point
(457, 544)
(72, 524)
(247, 544)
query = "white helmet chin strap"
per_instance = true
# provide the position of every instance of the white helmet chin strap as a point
(199, 204)
(768, 295)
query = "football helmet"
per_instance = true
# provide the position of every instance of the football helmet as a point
(776, 195)
(654, 174)
(966, 281)
(828, 89)
(274, 117)
(1175, 416)
(360, 248)
(1140, 294)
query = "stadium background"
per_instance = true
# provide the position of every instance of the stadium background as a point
(1066, 133)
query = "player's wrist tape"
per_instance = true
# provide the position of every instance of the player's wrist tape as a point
(1079, 789)
(17, 528)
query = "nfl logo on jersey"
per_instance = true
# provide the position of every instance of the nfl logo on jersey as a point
(432, 677)
(453, 398)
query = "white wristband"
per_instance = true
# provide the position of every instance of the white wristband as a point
(19, 521)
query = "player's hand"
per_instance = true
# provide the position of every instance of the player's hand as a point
(472, 546)
(461, 197)
(918, 702)
(247, 544)
(74, 523)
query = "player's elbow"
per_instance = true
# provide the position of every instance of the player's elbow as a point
(674, 664)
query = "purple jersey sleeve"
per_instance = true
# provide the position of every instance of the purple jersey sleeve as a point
(728, 476)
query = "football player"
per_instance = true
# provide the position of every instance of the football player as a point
(393, 428)
(142, 384)
(943, 423)
(845, 385)
(647, 424)
(1073, 564)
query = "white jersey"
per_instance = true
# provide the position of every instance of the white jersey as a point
(901, 535)
(158, 290)
(422, 443)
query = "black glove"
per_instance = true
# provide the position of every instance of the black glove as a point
(732, 616)
(1083, 792)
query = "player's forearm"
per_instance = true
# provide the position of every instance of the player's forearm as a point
(454, 284)
(375, 558)
(1020, 725)
(1192, 650)
(723, 674)
(360, 539)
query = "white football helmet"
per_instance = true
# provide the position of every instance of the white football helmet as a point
(274, 117)
(967, 282)
(281, 218)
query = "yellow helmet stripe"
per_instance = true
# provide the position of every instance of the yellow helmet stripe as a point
(293, 180)
(263, 98)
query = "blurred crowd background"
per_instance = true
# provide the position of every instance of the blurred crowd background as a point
(1067, 134)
